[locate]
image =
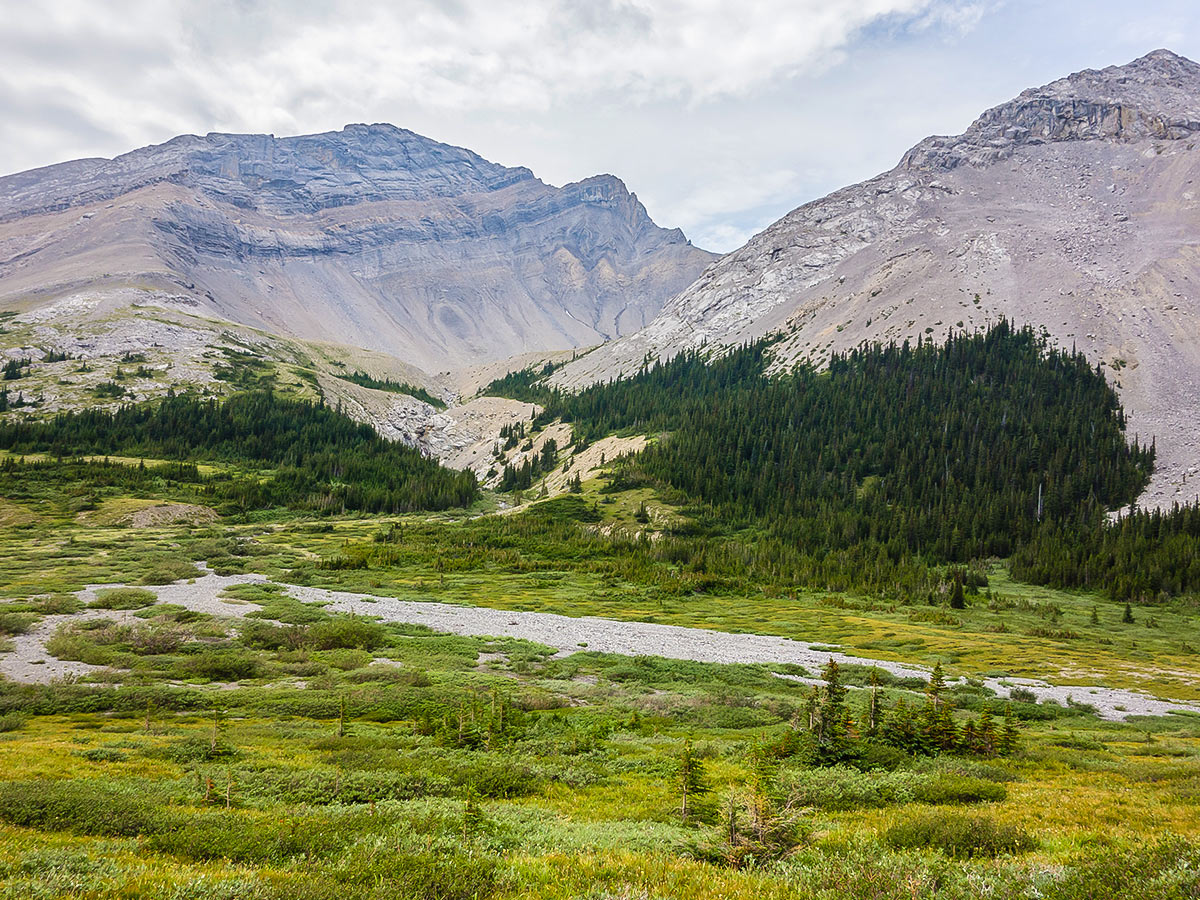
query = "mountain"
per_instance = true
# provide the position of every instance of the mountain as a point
(1074, 207)
(373, 237)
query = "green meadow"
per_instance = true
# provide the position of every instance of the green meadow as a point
(298, 753)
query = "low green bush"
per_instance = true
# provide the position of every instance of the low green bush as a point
(260, 635)
(323, 787)
(12, 721)
(949, 789)
(223, 665)
(12, 623)
(986, 770)
(68, 642)
(56, 604)
(103, 754)
(172, 612)
(169, 571)
(155, 639)
(733, 717)
(959, 836)
(496, 776)
(254, 592)
(65, 699)
(412, 875)
(422, 875)
(245, 838)
(1169, 868)
(78, 806)
(124, 598)
(346, 660)
(843, 787)
(361, 777)
(284, 609)
(389, 674)
(196, 749)
(1077, 742)
(347, 633)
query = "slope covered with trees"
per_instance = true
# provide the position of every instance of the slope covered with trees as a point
(319, 457)
(1144, 557)
(897, 458)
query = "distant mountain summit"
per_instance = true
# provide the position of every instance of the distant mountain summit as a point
(372, 236)
(1155, 97)
(1074, 207)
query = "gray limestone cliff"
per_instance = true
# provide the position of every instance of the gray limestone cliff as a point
(372, 236)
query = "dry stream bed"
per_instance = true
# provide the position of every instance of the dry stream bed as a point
(29, 662)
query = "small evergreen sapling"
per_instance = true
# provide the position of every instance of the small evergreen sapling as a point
(692, 786)
(957, 599)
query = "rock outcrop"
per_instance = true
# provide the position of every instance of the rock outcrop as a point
(1151, 97)
(1074, 207)
(372, 236)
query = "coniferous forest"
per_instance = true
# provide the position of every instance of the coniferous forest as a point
(898, 458)
(872, 474)
(321, 458)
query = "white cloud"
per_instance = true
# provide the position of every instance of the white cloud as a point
(527, 55)
(720, 115)
(273, 65)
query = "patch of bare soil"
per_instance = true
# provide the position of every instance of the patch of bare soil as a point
(172, 514)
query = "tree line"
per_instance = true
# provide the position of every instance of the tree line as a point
(899, 458)
(319, 458)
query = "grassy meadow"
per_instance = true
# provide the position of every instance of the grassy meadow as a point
(297, 753)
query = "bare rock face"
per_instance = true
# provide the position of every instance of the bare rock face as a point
(372, 236)
(1075, 207)
(1151, 97)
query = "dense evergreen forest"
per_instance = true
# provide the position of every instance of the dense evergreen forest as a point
(1145, 556)
(900, 457)
(395, 387)
(320, 458)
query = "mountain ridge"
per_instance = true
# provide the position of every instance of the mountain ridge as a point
(372, 235)
(1110, 103)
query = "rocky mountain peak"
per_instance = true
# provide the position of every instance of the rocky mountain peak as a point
(289, 175)
(373, 236)
(1155, 96)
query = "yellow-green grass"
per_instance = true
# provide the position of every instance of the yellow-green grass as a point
(1160, 659)
(203, 468)
(619, 836)
(48, 551)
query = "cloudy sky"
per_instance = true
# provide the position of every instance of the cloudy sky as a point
(722, 116)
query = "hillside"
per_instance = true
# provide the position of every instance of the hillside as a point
(372, 237)
(1071, 208)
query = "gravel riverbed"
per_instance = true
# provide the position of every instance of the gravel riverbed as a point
(28, 661)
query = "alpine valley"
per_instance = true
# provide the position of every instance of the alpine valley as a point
(380, 521)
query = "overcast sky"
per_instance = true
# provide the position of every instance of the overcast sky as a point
(722, 116)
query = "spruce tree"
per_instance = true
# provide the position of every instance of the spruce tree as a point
(985, 732)
(474, 821)
(833, 720)
(1007, 743)
(872, 718)
(957, 599)
(937, 684)
(691, 784)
